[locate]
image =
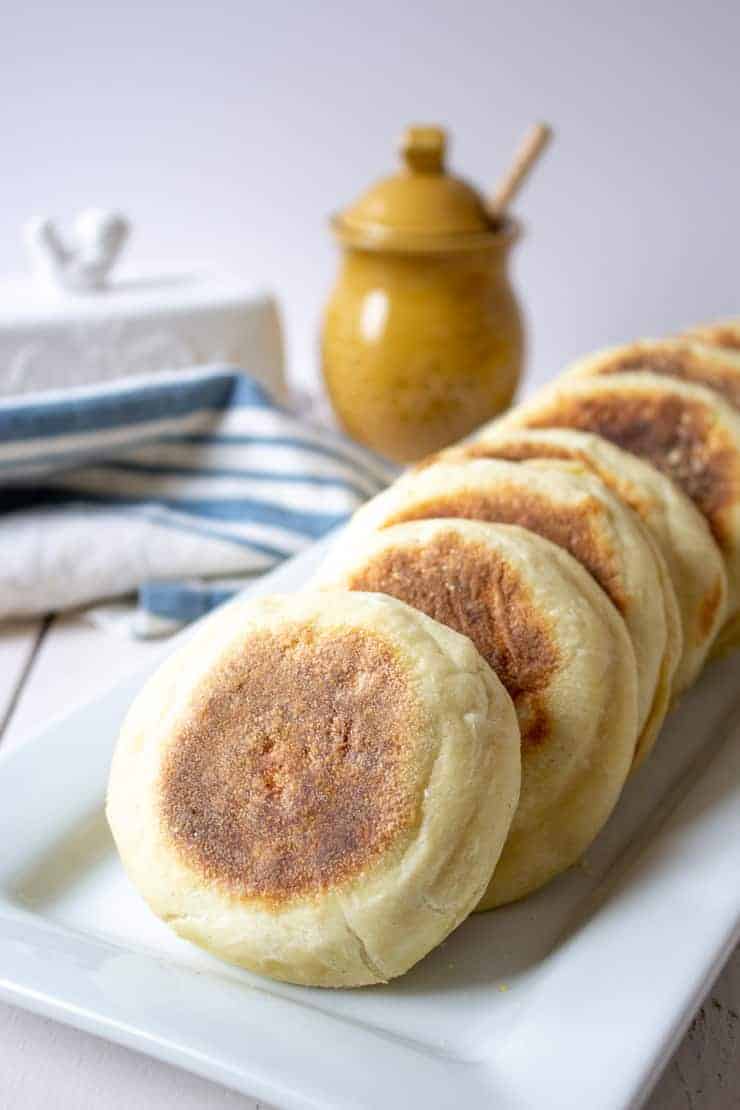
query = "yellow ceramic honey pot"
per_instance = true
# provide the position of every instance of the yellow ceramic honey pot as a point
(423, 338)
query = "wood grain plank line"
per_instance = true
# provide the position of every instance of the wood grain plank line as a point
(22, 676)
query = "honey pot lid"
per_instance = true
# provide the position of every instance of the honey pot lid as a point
(422, 206)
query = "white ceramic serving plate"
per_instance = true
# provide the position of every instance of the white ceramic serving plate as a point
(574, 998)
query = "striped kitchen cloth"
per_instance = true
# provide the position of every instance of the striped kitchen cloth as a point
(177, 487)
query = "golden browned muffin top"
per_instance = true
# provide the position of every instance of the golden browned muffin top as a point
(687, 363)
(719, 335)
(673, 432)
(513, 449)
(472, 589)
(521, 451)
(575, 527)
(293, 770)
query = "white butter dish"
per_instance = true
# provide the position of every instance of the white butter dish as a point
(51, 337)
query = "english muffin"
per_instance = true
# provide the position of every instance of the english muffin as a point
(317, 787)
(682, 534)
(724, 333)
(566, 504)
(686, 431)
(559, 647)
(699, 363)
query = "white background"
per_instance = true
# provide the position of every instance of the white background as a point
(229, 131)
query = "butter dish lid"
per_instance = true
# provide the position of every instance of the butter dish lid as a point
(422, 206)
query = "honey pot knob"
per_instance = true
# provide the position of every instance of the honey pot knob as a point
(423, 149)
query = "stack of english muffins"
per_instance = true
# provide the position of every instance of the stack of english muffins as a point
(320, 787)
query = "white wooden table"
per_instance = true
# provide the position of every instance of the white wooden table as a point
(44, 665)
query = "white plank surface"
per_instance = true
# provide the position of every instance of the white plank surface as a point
(45, 1063)
(72, 662)
(17, 644)
(41, 1059)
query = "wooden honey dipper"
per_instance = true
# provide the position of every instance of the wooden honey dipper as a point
(528, 153)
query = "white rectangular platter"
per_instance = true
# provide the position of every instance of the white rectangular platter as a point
(574, 998)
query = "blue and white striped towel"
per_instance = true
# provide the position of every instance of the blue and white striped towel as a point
(147, 484)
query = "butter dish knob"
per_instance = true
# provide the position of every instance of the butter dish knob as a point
(84, 261)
